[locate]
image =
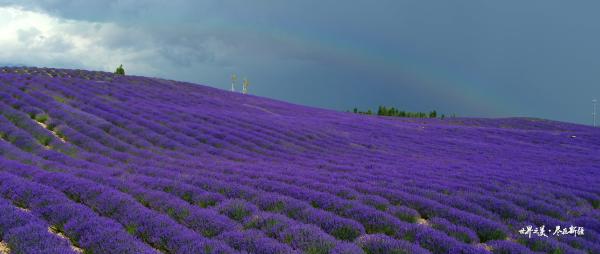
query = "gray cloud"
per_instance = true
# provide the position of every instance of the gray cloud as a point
(186, 56)
(29, 35)
(94, 10)
(483, 58)
(34, 38)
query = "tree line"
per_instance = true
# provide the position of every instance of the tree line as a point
(391, 111)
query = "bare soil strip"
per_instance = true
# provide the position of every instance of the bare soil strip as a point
(423, 222)
(53, 133)
(4, 248)
(55, 231)
(485, 246)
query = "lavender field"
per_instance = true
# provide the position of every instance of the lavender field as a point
(92, 162)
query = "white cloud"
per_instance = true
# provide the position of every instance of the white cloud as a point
(38, 39)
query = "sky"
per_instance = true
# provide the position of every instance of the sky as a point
(476, 58)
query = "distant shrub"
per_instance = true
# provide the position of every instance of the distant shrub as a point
(432, 114)
(120, 70)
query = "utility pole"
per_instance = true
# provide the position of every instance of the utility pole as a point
(233, 80)
(245, 86)
(594, 112)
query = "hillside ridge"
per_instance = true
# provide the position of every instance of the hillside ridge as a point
(101, 163)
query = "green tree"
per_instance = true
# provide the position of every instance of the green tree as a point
(432, 114)
(382, 111)
(120, 70)
(392, 112)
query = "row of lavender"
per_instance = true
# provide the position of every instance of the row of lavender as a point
(343, 184)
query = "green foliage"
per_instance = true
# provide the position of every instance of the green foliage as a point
(51, 126)
(168, 189)
(178, 214)
(187, 196)
(60, 134)
(204, 203)
(461, 236)
(131, 229)
(432, 114)
(406, 217)
(14, 118)
(142, 200)
(345, 233)
(595, 203)
(379, 228)
(385, 111)
(59, 99)
(41, 118)
(238, 213)
(314, 204)
(490, 234)
(271, 226)
(45, 140)
(120, 70)
(4, 136)
(277, 206)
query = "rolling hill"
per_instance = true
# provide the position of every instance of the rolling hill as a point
(92, 162)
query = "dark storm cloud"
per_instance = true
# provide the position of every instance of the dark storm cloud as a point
(485, 58)
(93, 10)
